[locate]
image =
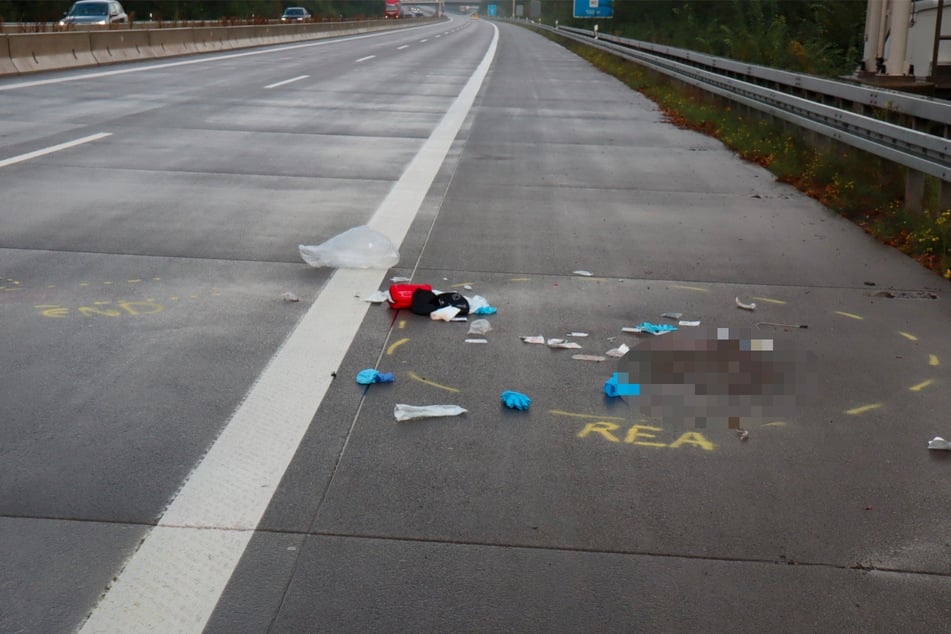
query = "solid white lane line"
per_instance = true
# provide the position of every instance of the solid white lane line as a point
(287, 81)
(363, 59)
(53, 148)
(177, 575)
(400, 48)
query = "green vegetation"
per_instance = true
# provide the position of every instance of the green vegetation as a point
(862, 187)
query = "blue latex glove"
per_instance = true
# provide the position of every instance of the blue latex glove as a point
(655, 328)
(370, 376)
(515, 400)
(618, 385)
(485, 310)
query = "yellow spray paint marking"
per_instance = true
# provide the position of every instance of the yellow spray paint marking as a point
(416, 377)
(394, 346)
(107, 283)
(644, 436)
(520, 279)
(402, 324)
(99, 309)
(908, 336)
(775, 423)
(134, 281)
(849, 315)
(921, 386)
(52, 310)
(84, 283)
(558, 412)
(770, 301)
(690, 288)
(862, 409)
(156, 279)
(933, 360)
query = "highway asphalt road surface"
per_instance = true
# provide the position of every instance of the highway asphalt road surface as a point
(184, 449)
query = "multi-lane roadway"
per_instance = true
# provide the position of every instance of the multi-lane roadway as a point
(182, 448)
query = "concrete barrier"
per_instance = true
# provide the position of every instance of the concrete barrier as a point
(32, 52)
(120, 46)
(213, 39)
(168, 42)
(6, 64)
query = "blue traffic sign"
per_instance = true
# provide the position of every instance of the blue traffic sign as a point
(493, 10)
(594, 9)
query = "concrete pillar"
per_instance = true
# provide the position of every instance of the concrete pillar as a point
(873, 26)
(898, 38)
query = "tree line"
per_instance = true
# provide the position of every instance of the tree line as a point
(822, 37)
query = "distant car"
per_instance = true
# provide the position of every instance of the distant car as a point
(295, 14)
(416, 11)
(95, 12)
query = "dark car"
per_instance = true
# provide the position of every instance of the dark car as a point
(295, 14)
(95, 12)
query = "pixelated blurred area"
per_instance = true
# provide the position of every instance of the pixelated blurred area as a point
(712, 375)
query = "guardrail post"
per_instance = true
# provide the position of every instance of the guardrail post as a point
(914, 190)
(944, 196)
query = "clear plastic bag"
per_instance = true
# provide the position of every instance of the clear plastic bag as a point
(479, 327)
(357, 248)
(404, 412)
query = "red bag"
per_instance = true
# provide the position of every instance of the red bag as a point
(401, 295)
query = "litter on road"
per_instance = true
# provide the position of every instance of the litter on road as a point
(477, 340)
(404, 412)
(583, 273)
(371, 376)
(515, 400)
(378, 297)
(446, 313)
(290, 297)
(691, 323)
(673, 315)
(939, 443)
(589, 357)
(577, 334)
(357, 248)
(479, 327)
(745, 305)
(654, 329)
(533, 339)
(618, 352)
(561, 343)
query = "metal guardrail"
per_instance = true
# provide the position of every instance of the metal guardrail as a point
(770, 90)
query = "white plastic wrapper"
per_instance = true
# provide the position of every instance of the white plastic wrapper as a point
(404, 412)
(939, 443)
(446, 313)
(357, 248)
(479, 327)
(533, 339)
(618, 352)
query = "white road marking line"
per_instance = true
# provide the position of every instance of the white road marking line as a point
(423, 41)
(53, 148)
(190, 62)
(363, 59)
(175, 578)
(400, 48)
(287, 81)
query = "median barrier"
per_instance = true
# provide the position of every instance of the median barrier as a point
(213, 39)
(168, 42)
(6, 64)
(32, 52)
(120, 46)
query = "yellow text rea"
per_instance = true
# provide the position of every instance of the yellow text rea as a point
(643, 435)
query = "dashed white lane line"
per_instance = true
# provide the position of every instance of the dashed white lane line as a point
(53, 148)
(287, 81)
(177, 575)
(363, 59)
(400, 48)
